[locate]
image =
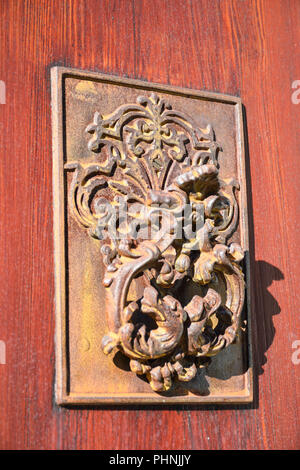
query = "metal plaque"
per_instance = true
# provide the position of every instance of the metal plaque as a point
(151, 243)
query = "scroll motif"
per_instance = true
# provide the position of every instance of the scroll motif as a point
(152, 196)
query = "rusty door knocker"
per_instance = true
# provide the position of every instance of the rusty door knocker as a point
(152, 193)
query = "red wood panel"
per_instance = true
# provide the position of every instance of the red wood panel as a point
(245, 48)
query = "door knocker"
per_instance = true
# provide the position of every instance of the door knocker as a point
(151, 240)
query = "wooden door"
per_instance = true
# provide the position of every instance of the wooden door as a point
(240, 47)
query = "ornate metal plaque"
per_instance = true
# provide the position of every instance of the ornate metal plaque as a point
(151, 243)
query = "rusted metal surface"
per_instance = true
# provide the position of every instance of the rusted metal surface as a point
(160, 289)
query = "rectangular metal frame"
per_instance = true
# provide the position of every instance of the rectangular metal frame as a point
(62, 394)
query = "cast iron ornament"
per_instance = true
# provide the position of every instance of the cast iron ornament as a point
(157, 162)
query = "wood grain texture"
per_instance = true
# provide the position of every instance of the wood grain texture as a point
(244, 48)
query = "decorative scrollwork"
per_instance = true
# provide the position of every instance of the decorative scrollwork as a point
(155, 162)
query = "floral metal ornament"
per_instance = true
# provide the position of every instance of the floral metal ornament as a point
(154, 175)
